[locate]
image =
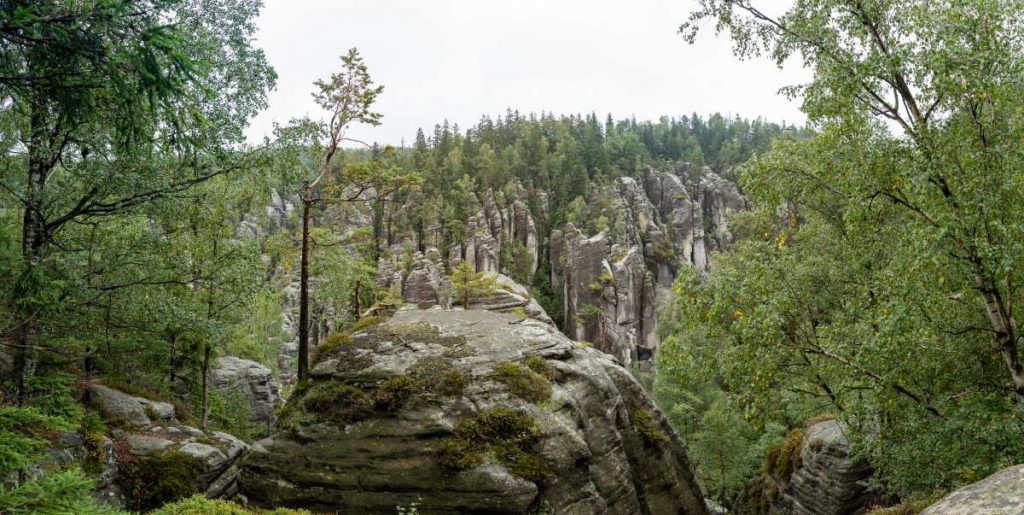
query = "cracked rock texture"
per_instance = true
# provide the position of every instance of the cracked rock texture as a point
(365, 458)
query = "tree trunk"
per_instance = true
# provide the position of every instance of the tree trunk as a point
(307, 204)
(33, 236)
(206, 387)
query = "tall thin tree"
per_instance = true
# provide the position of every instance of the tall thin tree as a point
(348, 95)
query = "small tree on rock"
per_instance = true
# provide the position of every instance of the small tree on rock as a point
(467, 282)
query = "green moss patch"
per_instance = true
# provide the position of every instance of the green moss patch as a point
(365, 322)
(394, 392)
(337, 402)
(541, 366)
(522, 381)
(644, 424)
(506, 435)
(440, 376)
(330, 345)
(784, 458)
(152, 481)
(199, 505)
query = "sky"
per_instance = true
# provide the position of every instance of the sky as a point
(461, 59)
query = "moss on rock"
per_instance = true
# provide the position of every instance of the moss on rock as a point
(330, 345)
(522, 381)
(784, 458)
(644, 424)
(337, 402)
(199, 505)
(506, 435)
(392, 393)
(541, 366)
(149, 482)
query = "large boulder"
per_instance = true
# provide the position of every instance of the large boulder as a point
(998, 494)
(232, 376)
(148, 451)
(471, 412)
(812, 473)
(129, 411)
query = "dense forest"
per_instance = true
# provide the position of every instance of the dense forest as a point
(870, 278)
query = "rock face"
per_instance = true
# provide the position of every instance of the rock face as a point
(826, 481)
(231, 375)
(608, 295)
(610, 281)
(471, 412)
(148, 433)
(1002, 492)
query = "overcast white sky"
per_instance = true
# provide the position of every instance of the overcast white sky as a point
(460, 59)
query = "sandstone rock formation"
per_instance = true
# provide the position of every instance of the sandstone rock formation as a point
(608, 295)
(611, 281)
(821, 480)
(471, 412)
(1000, 493)
(231, 376)
(147, 437)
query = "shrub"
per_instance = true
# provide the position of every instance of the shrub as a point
(522, 382)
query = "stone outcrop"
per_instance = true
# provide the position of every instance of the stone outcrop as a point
(232, 376)
(611, 281)
(146, 429)
(511, 297)
(822, 480)
(471, 412)
(1002, 492)
(608, 294)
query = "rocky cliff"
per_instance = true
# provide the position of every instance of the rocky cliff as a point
(610, 281)
(470, 412)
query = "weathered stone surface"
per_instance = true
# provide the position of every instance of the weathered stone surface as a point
(998, 494)
(231, 375)
(608, 295)
(148, 428)
(128, 410)
(424, 285)
(511, 297)
(596, 458)
(828, 482)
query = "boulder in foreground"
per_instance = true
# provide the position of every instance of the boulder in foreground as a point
(470, 412)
